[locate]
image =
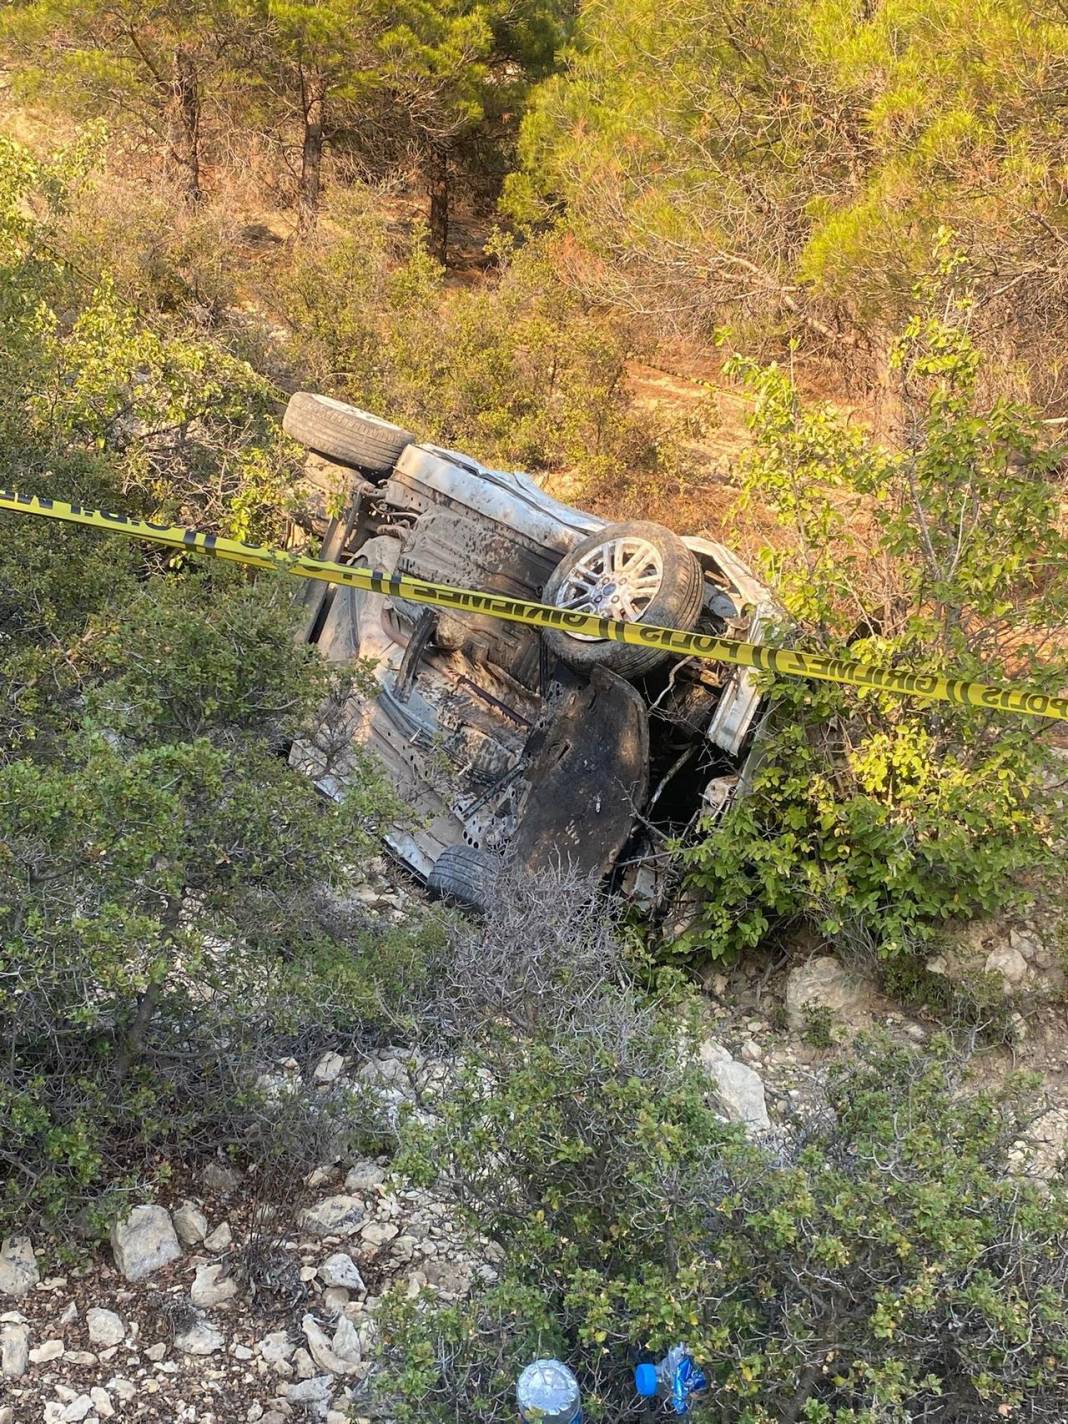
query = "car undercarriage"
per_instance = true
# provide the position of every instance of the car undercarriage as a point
(503, 741)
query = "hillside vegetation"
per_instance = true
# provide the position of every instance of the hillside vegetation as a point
(477, 219)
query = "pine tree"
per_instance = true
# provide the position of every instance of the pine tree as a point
(149, 68)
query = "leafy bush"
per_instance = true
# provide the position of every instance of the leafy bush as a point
(162, 871)
(158, 883)
(873, 818)
(874, 1262)
(520, 370)
(189, 428)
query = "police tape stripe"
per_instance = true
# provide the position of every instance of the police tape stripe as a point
(784, 661)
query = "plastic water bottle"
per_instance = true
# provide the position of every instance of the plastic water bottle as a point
(548, 1393)
(676, 1379)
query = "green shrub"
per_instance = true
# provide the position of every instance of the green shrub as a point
(188, 428)
(159, 878)
(162, 870)
(519, 370)
(783, 168)
(876, 1264)
(873, 818)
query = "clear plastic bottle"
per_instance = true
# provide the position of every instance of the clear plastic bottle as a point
(676, 1379)
(548, 1393)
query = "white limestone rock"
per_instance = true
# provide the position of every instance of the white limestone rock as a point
(104, 1326)
(341, 1270)
(47, 1352)
(211, 1286)
(738, 1088)
(333, 1216)
(18, 1266)
(190, 1223)
(277, 1347)
(221, 1239)
(102, 1402)
(14, 1351)
(364, 1177)
(322, 1351)
(329, 1068)
(1009, 965)
(144, 1242)
(378, 1233)
(203, 1338)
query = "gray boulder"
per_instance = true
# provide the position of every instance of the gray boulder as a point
(314, 1394)
(18, 1266)
(329, 1068)
(739, 1090)
(1009, 965)
(219, 1176)
(333, 1216)
(277, 1347)
(211, 1286)
(104, 1326)
(322, 1350)
(144, 1242)
(190, 1223)
(200, 1339)
(341, 1270)
(365, 1177)
(14, 1351)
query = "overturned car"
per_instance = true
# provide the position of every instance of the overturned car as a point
(548, 747)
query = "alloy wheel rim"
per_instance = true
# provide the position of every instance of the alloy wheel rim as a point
(617, 579)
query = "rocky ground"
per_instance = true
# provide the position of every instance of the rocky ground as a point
(204, 1312)
(213, 1308)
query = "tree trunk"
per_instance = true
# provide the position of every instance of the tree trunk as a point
(313, 102)
(438, 188)
(133, 1042)
(185, 122)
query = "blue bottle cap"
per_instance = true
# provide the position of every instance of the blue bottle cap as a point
(646, 1381)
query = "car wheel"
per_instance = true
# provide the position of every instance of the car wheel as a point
(639, 572)
(343, 434)
(463, 875)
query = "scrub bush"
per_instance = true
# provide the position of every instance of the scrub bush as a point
(872, 818)
(875, 1263)
(159, 876)
(161, 867)
(520, 370)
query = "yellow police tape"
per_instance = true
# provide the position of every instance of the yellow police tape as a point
(539, 615)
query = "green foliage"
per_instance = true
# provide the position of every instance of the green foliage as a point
(158, 883)
(188, 428)
(200, 83)
(818, 1029)
(161, 867)
(876, 1265)
(153, 72)
(524, 371)
(873, 818)
(789, 164)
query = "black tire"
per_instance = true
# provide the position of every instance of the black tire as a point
(463, 875)
(343, 434)
(676, 604)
